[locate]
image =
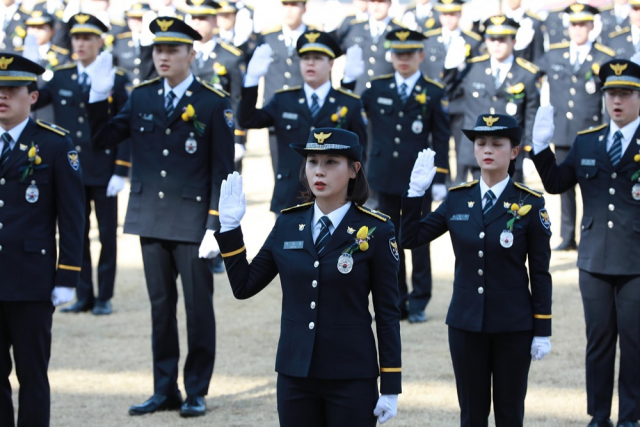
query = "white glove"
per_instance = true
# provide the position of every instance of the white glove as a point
(528, 167)
(116, 184)
(233, 203)
(62, 295)
(102, 77)
(354, 64)
(543, 128)
(525, 34)
(540, 347)
(209, 247)
(31, 49)
(456, 55)
(259, 65)
(422, 174)
(239, 152)
(386, 408)
(438, 192)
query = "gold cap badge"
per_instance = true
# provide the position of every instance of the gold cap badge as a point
(312, 37)
(164, 25)
(403, 35)
(5, 62)
(322, 137)
(618, 68)
(490, 121)
(82, 19)
(498, 20)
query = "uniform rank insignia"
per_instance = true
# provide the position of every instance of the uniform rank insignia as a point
(393, 246)
(23, 147)
(228, 117)
(73, 160)
(301, 227)
(471, 203)
(351, 230)
(544, 218)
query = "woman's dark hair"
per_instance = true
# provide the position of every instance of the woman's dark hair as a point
(358, 191)
(512, 164)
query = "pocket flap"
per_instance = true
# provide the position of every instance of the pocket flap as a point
(587, 172)
(37, 246)
(136, 187)
(142, 126)
(193, 193)
(587, 221)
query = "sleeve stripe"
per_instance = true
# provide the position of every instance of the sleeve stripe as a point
(234, 253)
(238, 132)
(123, 163)
(212, 212)
(542, 316)
(68, 267)
(390, 369)
(442, 170)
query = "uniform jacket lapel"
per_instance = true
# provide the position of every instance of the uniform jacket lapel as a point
(305, 220)
(327, 107)
(340, 238)
(475, 204)
(509, 195)
(631, 151)
(602, 148)
(194, 88)
(18, 156)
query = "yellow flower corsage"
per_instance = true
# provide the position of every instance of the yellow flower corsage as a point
(339, 116)
(518, 212)
(189, 114)
(361, 241)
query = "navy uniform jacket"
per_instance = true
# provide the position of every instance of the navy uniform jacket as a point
(611, 218)
(475, 94)
(576, 97)
(610, 23)
(289, 113)
(29, 263)
(136, 60)
(69, 105)
(15, 31)
(400, 131)
(436, 51)
(377, 59)
(176, 174)
(622, 42)
(426, 23)
(491, 291)
(554, 27)
(325, 324)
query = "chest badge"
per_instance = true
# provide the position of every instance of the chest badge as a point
(417, 127)
(191, 145)
(512, 108)
(635, 192)
(506, 239)
(33, 193)
(301, 227)
(345, 263)
(351, 230)
(470, 203)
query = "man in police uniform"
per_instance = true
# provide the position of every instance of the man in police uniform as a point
(626, 42)
(56, 8)
(554, 26)
(296, 111)
(104, 170)
(12, 25)
(130, 49)
(572, 74)
(236, 32)
(418, 107)
(360, 13)
(41, 192)
(181, 132)
(422, 15)
(604, 162)
(496, 83)
(614, 17)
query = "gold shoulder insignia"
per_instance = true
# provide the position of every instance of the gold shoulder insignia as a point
(231, 48)
(527, 189)
(529, 66)
(288, 89)
(433, 32)
(604, 49)
(272, 30)
(433, 82)
(617, 33)
(53, 128)
(19, 49)
(376, 214)
(556, 9)
(120, 71)
(464, 185)
(358, 21)
(220, 93)
(66, 66)
(595, 129)
(59, 50)
(473, 35)
(398, 23)
(296, 208)
(146, 82)
(559, 45)
(385, 76)
(346, 92)
(533, 15)
(606, 7)
(124, 35)
(479, 58)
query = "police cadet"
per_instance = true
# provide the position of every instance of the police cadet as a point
(407, 110)
(422, 15)
(56, 8)
(360, 13)
(626, 42)
(236, 32)
(555, 28)
(12, 25)
(104, 170)
(496, 82)
(500, 313)
(572, 74)
(331, 253)
(605, 162)
(131, 51)
(295, 111)
(40, 193)
(181, 132)
(614, 17)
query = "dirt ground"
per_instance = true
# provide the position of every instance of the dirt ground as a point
(102, 365)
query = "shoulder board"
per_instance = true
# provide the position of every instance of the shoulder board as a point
(220, 93)
(385, 76)
(146, 82)
(595, 129)
(433, 82)
(23, 10)
(527, 189)
(606, 7)
(19, 49)
(358, 21)
(559, 45)
(37, 2)
(53, 128)
(556, 10)
(532, 15)
(59, 49)
(398, 23)
(382, 217)
(529, 66)
(120, 71)
(66, 66)
(230, 48)
(464, 185)
(412, 5)
(433, 32)
(281, 90)
(346, 92)
(248, 6)
(473, 35)
(297, 208)
(118, 22)
(271, 31)
(479, 58)
(604, 49)
(124, 35)
(617, 33)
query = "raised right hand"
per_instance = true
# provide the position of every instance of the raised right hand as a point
(543, 128)
(103, 75)
(422, 174)
(233, 204)
(260, 62)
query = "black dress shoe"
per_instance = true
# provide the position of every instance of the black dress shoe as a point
(404, 314)
(102, 308)
(623, 423)
(78, 307)
(566, 245)
(194, 406)
(418, 316)
(157, 402)
(600, 422)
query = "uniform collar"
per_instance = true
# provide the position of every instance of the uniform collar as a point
(627, 133)
(180, 89)
(582, 51)
(322, 92)
(336, 216)
(15, 132)
(379, 24)
(410, 82)
(87, 69)
(504, 65)
(621, 10)
(44, 50)
(451, 34)
(207, 48)
(293, 34)
(497, 189)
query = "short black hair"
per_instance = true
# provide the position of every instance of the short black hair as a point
(358, 191)
(32, 87)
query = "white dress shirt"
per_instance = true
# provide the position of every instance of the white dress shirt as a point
(291, 36)
(206, 48)
(411, 81)
(179, 90)
(581, 51)
(504, 67)
(43, 50)
(496, 189)
(377, 27)
(627, 134)
(88, 69)
(335, 217)
(15, 133)
(322, 92)
(449, 36)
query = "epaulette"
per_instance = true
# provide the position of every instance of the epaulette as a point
(53, 128)
(533, 15)
(271, 31)
(595, 129)
(464, 185)
(606, 7)
(529, 66)
(473, 35)
(617, 33)
(376, 214)
(398, 23)
(23, 10)
(37, 2)
(556, 9)
(527, 189)
(19, 49)
(289, 89)
(66, 66)
(479, 58)
(358, 21)
(433, 32)
(230, 48)
(384, 76)
(125, 35)
(146, 82)
(218, 92)
(297, 207)
(604, 49)
(346, 92)
(60, 50)
(559, 45)
(121, 71)
(433, 82)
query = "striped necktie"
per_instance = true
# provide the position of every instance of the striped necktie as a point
(85, 86)
(315, 105)
(6, 148)
(168, 103)
(322, 240)
(404, 94)
(615, 152)
(488, 204)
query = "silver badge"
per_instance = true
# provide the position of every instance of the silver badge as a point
(417, 127)
(512, 109)
(32, 194)
(635, 192)
(191, 145)
(345, 263)
(590, 87)
(47, 75)
(506, 239)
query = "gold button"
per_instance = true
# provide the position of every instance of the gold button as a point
(480, 272)
(572, 91)
(372, 60)
(481, 290)
(313, 305)
(610, 224)
(569, 115)
(198, 199)
(571, 104)
(312, 325)
(574, 79)
(316, 264)
(480, 254)
(163, 174)
(287, 75)
(370, 72)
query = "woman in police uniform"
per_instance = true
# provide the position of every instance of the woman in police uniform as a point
(500, 314)
(331, 253)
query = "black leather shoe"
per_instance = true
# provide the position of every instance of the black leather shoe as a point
(623, 423)
(157, 402)
(404, 314)
(194, 406)
(78, 307)
(417, 317)
(566, 245)
(102, 308)
(600, 422)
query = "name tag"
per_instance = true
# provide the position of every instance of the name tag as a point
(293, 245)
(290, 116)
(460, 217)
(478, 85)
(148, 117)
(385, 101)
(65, 92)
(588, 162)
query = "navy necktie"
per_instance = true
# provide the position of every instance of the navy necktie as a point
(404, 94)
(168, 103)
(322, 239)
(85, 86)
(6, 148)
(488, 197)
(315, 105)
(615, 152)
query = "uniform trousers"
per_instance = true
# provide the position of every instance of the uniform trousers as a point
(480, 358)
(421, 282)
(163, 261)
(26, 326)
(314, 402)
(107, 216)
(567, 203)
(612, 310)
